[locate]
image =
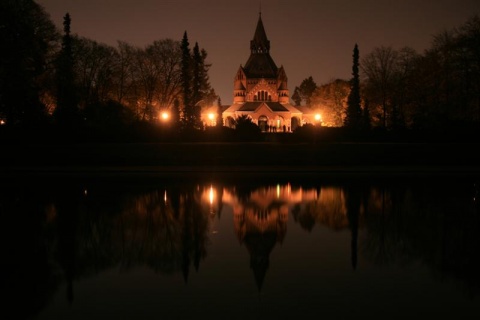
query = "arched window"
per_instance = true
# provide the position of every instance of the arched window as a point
(262, 96)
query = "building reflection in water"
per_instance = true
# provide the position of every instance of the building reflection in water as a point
(168, 229)
(261, 216)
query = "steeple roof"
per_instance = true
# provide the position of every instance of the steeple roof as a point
(260, 41)
(260, 64)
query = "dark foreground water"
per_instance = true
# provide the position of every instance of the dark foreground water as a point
(257, 248)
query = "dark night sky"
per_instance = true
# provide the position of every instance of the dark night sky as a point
(308, 37)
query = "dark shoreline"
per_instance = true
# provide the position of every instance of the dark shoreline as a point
(239, 159)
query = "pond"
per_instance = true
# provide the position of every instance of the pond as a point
(277, 247)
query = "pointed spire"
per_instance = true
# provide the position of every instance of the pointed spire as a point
(260, 42)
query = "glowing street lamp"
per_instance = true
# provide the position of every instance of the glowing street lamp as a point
(211, 117)
(165, 116)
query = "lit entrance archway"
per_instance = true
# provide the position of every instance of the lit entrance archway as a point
(263, 123)
(295, 123)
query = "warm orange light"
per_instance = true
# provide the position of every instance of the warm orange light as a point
(211, 116)
(211, 195)
(318, 117)
(165, 116)
(2, 122)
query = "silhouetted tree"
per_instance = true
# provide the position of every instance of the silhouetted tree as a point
(67, 112)
(219, 122)
(123, 86)
(196, 76)
(353, 197)
(175, 114)
(306, 90)
(28, 39)
(353, 117)
(449, 78)
(166, 56)
(379, 67)
(198, 83)
(406, 88)
(296, 96)
(246, 128)
(188, 114)
(93, 67)
(366, 122)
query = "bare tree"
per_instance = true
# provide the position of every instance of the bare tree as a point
(93, 68)
(166, 57)
(123, 87)
(379, 68)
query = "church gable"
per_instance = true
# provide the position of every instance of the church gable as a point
(261, 90)
(264, 110)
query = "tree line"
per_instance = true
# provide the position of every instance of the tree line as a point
(401, 89)
(51, 76)
(55, 77)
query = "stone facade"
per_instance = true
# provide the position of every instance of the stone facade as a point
(261, 91)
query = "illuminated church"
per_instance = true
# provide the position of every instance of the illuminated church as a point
(261, 91)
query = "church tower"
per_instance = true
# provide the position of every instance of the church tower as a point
(260, 90)
(260, 79)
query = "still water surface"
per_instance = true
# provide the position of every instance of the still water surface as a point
(167, 248)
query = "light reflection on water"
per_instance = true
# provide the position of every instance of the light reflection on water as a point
(218, 249)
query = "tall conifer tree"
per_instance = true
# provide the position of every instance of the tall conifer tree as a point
(176, 114)
(66, 112)
(187, 118)
(219, 113)
(367, 125)
(197, 94)
(353, 118)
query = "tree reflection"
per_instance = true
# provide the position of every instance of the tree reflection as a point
(426, 222)
(77, 230)
(28, 278)
(326, 206)
(353, 200)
